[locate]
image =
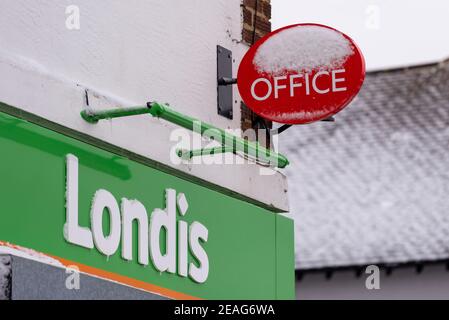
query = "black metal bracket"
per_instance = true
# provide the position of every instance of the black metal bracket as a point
(280, 129)
(330, 119)
(224, 82)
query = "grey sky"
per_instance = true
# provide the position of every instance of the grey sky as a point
(391, 33)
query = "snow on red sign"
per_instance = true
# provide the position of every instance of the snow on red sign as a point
(301, 73)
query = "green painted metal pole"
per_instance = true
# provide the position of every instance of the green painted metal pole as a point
(94, 117)
(234, 143)
(189, 154)
(227, 139)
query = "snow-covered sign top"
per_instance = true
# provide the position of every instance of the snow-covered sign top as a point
(301, 73)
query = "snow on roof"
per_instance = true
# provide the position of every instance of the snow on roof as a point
(303, 48)
(373, 187)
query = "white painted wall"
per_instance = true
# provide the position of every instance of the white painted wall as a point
(127, 53)
(402, 283)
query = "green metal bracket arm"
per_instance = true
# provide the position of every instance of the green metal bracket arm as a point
(189, 154)
(229, 142)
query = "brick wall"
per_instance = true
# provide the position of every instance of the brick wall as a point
(261, 18)
(256, 24)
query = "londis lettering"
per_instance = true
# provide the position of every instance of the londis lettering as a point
(173, 260)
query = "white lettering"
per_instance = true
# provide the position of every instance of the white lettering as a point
(183, 206)
(198, 232)
(164, 219)
(335, 80)
(274, 87)
(169, 250)
(269, 91)
(107, 245)
(315, 78)
(182, 249)
(307, 77)
(277, 87)
(73, 233)
(72, 282)
(372, 282)
(72, 21)
(294, 85)
(134, 211)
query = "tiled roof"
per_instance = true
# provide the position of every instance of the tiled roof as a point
(374, 185)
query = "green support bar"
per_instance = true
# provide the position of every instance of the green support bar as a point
(94, 117)
(189, 154)
(229, 142)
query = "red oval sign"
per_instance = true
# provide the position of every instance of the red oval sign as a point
(301, 74)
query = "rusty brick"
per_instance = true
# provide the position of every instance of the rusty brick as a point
(265, 8)
(263, 26)
(247, 36)
(257, 37)
(261, 19)
(249, 3)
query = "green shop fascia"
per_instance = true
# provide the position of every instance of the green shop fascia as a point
(119, 216)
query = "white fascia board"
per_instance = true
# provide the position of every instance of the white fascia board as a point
(30, 87)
